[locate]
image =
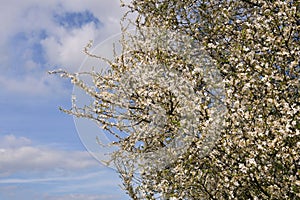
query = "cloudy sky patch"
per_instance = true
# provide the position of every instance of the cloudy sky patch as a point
(41, 155)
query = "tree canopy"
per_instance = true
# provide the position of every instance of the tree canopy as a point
(226, 85)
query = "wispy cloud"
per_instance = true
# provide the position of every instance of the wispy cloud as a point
(17, 191)
(27, 171)
(50, 179)
(18, 155)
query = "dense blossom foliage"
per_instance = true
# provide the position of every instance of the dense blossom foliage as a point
(255, 46)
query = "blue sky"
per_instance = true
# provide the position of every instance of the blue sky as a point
(41, 155)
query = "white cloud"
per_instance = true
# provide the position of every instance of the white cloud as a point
(60, 47)
(69, 52)
(65, 47)
(33, 158)
(19, 155)
(11, 141)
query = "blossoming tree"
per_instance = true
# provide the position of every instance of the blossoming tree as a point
(213, 111)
